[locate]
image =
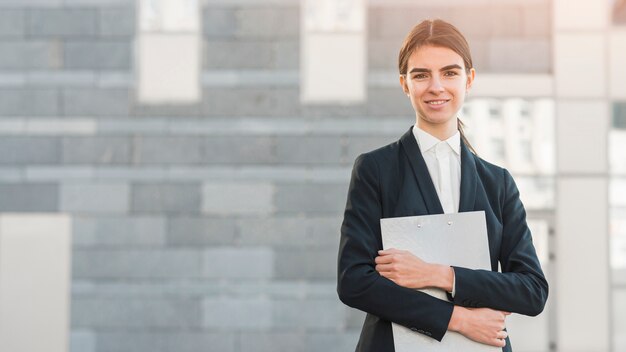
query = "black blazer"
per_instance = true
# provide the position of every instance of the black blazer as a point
(393, 181)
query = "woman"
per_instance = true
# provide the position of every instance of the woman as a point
(431, 170)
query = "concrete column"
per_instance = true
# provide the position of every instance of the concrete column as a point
(582, 286)
(35, 278)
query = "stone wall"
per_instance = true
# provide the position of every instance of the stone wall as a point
(211, 226)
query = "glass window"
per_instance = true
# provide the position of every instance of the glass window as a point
(494, 110)
(334, 55)
(617, 140)
(515, 133)
(618, 236)
(498, 148)
(168, 51)
(617, 223)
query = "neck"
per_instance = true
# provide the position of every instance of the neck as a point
(439, 131)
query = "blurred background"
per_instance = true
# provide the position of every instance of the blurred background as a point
(173, 172)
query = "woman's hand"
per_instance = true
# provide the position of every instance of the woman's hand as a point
(482, 325)
(409, 271)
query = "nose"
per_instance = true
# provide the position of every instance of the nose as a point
(435, 85)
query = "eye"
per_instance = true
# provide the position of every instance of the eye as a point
(450, 74)
(420, 76)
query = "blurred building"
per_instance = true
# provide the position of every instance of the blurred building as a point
(203, 149)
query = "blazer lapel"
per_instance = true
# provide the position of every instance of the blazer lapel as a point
(420, 170)
(469, 180)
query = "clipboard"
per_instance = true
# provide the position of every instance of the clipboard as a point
(458, 239)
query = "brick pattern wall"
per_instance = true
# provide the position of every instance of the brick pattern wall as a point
(211, 226)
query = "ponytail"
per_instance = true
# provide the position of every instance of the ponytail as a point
(460, 126)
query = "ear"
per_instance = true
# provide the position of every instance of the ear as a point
(470, 79)
(403, 84)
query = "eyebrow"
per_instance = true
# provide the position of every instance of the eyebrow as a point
(445, 68)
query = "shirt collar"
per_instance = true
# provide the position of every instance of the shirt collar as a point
(427, 141)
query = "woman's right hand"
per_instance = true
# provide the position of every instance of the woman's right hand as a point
(482, 325)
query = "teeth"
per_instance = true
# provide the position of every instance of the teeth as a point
(436, 102)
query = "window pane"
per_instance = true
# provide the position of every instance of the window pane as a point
(515, 133)
(169, 16)
(334, 55)
(618, 238)
(541, 231)
(168, 52)
(617, 140)
(537, 193)
(617, 193)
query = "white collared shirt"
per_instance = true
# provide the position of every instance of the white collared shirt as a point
(443, 160)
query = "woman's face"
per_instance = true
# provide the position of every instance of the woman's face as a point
(436, 82)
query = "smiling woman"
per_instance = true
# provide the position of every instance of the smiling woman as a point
(436, 92)
(432, 86)
(432, 170)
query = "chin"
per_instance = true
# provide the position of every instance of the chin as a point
(436, 120)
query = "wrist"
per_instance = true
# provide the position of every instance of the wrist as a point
(457, 319)
(443, 278)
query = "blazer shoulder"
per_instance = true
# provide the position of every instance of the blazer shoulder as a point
(491, 172)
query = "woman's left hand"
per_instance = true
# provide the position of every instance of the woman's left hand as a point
(409, 271)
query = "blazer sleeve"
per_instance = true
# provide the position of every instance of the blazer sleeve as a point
(359, 285)
(521, 287)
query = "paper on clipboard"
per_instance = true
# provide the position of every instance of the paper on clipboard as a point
(458, 239)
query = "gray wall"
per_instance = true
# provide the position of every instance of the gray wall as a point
(212, 226)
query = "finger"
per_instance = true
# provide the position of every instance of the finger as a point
(384, 268)
(388, 251)
(502, 335)
(383, 259)
(495, 342)
(499, 343)
(387, 275)
(507, 313)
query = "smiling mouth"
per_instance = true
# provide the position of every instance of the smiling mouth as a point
(437, 102)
